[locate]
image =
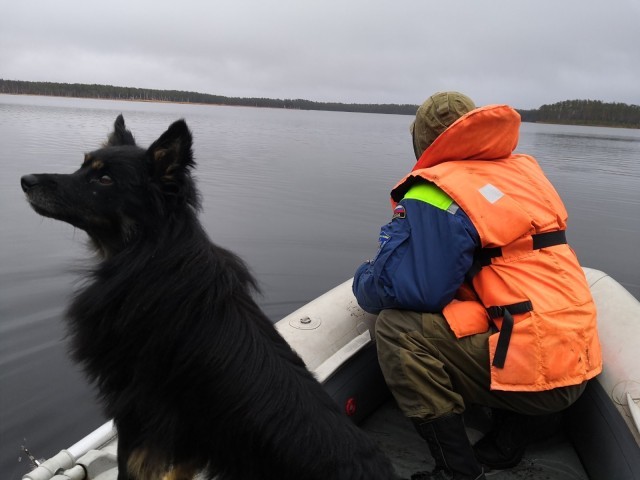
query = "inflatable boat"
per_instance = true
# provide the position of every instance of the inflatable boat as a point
(600, 438)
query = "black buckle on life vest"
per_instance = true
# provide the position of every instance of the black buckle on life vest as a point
(506, 312)
(540, 240)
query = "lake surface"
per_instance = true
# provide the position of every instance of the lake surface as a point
(299, 195)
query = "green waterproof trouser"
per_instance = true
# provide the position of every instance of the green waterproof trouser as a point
(432, 373)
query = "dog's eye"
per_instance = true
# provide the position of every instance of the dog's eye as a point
(105, 180)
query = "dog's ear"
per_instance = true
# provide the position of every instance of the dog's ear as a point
(120, 135)
(171, 153)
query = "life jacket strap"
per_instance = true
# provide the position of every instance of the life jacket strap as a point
(549, 239)
(540, 240)
(506, 312)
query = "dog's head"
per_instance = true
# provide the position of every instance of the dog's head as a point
(121, 191)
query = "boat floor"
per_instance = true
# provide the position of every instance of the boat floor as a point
(553, 459)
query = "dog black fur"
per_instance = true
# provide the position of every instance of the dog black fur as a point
(194, 374)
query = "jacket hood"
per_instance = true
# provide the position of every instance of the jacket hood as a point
(486, 133)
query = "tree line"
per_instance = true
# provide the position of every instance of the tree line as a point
(178, 96)
(586, 112)
(578, 112)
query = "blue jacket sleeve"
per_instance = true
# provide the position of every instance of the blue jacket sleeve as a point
(422, 260)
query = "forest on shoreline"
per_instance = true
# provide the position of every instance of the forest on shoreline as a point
(574, 112)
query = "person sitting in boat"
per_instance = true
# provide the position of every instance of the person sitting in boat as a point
(480, 298)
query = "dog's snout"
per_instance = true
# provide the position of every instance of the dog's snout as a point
(28, 181)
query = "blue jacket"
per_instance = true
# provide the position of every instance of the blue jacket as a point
(423, 256)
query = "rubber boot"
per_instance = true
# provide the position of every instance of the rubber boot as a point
(449, 445)
(504, 445)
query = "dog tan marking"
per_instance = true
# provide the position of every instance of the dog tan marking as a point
(183, 471)
(141, 465)
(97, 164)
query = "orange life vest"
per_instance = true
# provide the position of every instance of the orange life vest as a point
(528, 282)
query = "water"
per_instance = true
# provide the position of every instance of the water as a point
(299, 195)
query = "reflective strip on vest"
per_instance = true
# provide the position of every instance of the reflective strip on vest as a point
(433, 195)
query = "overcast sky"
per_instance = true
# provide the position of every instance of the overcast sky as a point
(522, 52)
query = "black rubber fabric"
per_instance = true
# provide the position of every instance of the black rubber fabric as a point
(449, 445)
(504, 445)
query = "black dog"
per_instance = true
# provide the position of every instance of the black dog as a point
(192, 371)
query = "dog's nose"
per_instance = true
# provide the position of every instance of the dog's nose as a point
(28, 181)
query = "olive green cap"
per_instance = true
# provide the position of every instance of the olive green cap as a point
(435, 115)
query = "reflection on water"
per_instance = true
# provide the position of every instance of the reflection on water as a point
(587, 149)
(300, 195)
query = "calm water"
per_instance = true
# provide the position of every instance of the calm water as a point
(300, 195)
